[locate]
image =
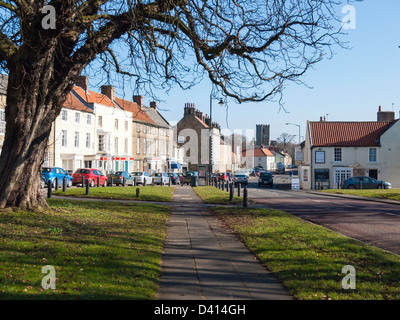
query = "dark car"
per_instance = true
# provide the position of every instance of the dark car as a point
(187, 176)
(90, 175)
(174, 178)
(266, 179)
(364, 183)
(51, 173)
(119, 176)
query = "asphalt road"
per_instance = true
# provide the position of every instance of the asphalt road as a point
(374, 223)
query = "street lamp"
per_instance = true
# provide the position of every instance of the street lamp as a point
(299, 130)
(221, 104)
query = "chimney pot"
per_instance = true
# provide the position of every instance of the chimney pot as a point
(82, 81)
(153, 105)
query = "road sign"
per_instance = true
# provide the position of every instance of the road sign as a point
(295, 184)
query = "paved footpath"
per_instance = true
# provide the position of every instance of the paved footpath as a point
(203, 261)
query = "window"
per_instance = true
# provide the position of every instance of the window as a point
(116, 145)
(64, 138)
(76, 140)
(138, 145)
(149, 146)
(342, 174)
(88, 119)
(126, 125)
(88, 140)
(2, 121)
(145, 128)
(100, 122)
(64, 115)
(102, 143)
(337, 157)
(372, 155)
(144, 146)
(116, 124)
(77, 117)
(138, 127)
(126, 146)
(319, 156)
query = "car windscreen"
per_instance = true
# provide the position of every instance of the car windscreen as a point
(265, 175)
(158, 174)
(240, 176)
(136, 174)
(47, 170)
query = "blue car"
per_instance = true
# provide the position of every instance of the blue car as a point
(51, 173)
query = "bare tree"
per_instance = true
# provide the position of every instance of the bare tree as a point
(284, 140)
(248, 50)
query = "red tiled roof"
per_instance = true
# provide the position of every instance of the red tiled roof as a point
(260, 152)
(347, 134)
(138, 113)
(72, 102)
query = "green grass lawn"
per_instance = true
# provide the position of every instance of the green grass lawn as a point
(390, 194)
(217, 196)
(308, 258)
(147, 193)
(99, 250)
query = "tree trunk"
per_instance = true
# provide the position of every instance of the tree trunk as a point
(32, 106)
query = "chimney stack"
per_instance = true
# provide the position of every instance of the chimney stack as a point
(385, 116)
(138, 100)
(108, 91)
(83, 82)
(153, 105)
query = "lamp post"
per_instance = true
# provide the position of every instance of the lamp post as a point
(220, 103)
(299, 130)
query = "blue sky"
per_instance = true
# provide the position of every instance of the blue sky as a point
(349, 87)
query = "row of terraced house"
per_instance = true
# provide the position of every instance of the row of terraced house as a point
(103, 131)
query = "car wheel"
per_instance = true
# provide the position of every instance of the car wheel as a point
(69, 184)
(351, 186)
(105, 183)
(380, 187)
(92, 183)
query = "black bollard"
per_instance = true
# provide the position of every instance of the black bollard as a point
(49, 189)
(231, 192)
(98, 181)
(238, 189)
(56, 184)
(144, 182)
(87, 187)
(112, 181)
(245, 204)
(83, 182)
(65, 184)
(137, 192)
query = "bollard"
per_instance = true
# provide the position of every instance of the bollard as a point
(231, 192)
(112, 181)
(83, 182)
(245, 204)
(144, 182)
(169, 182)
(87, 187)
(238, 189)
(65, 184)
(56, 184)
(227, 186)
(49, 189)
(123, 181)
(98, 181)
(137, 192)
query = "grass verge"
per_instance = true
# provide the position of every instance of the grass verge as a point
(308, 258)
(148, 193)
(99, 250)
(389, 194)
(217, 196)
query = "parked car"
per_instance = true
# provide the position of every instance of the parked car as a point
(266, 179)
(118, 178)
(230, 175)
(223, 176)
(180, 175)
(187, 176)
(51, 173)
(160, 178)
(89, 174)
(241, 178)
(280, 168)
(174, 178)
(362, 182)
(142, 177)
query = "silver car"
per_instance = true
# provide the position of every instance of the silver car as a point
(241, 178)
(161, 178)
(142, 177)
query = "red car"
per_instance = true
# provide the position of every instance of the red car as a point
(222, 176)
(91, 174)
